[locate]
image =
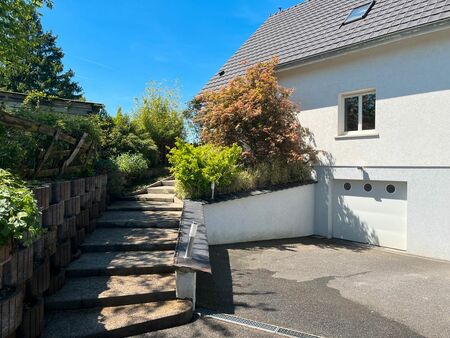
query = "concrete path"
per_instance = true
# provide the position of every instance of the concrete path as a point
(123, 283)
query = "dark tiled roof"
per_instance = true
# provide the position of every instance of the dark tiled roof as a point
(315, 27)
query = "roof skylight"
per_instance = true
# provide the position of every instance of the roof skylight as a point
(359, 13)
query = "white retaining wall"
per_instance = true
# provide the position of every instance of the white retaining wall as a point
(280, 214)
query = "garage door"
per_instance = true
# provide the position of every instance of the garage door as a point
(371, 212)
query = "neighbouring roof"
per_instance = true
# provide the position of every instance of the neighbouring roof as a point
(14, 100)
(315, 28)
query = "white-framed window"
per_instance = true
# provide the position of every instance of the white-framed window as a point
(357, 111)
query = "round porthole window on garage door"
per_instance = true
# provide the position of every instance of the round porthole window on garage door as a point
(368, 187)
(390, 188)
(347, 186)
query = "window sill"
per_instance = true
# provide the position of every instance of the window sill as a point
(357, 135)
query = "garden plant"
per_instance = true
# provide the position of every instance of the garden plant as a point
(19, 213)
(252, 113)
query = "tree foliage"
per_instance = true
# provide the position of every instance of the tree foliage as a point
(121, 135)
(192, 126)
(16, 22)
(255, 112)
(158, 114)
(40, 69)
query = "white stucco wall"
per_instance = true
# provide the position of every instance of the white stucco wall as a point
(412, 84)
(428, 211)
(280, 214)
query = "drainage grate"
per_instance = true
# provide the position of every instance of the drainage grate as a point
(293, 333)
(253, 324)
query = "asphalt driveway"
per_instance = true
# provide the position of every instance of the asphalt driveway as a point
(323, 288)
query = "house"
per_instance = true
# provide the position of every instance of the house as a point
(13, 100)
(372, 79)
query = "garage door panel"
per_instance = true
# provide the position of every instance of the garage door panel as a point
(376, 216)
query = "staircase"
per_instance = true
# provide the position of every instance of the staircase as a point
(123, 283)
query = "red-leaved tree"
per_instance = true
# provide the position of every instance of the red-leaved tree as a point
(255, 112)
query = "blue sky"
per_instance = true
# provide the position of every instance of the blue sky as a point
(116, 47)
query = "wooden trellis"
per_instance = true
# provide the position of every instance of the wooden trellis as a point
(66, 157)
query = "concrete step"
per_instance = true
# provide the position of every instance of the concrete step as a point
(164, 189)
(170, 183)
(101, 291)
(130, 239)
(117, 321)
(151, 197)
(140, 219)
(121, 263)
(145, 206)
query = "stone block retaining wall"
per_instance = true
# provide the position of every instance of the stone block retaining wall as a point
(69, 211)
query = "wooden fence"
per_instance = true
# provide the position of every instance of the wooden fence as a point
(65, 158)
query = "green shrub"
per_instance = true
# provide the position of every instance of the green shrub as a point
(121, 135)
(266, 175)
(19, 213)
(116, 181)
(18, 149)
(195, 167)
(21, 151)
(74, 125)
(242, 181)
(133, 166)
(279, 172)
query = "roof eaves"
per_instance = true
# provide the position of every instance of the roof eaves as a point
(380, 40)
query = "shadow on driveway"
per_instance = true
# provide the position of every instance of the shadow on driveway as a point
(215, 291)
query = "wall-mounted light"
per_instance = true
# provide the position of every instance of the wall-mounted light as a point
(190, 244)
(213, 188)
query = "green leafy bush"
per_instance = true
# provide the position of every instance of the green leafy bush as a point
(19, 213)
(116, 181)
(120, 135)
(195, 167)
(133, 166)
